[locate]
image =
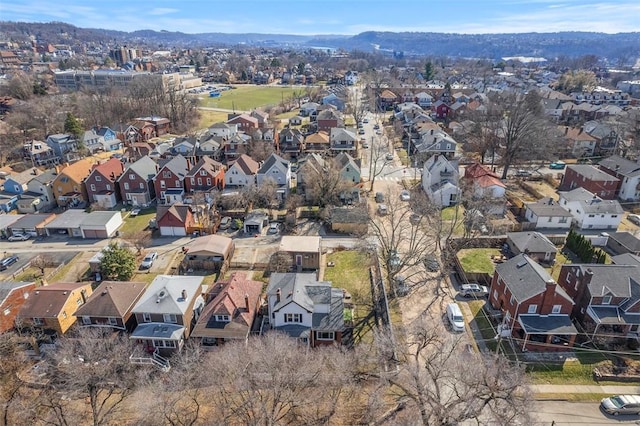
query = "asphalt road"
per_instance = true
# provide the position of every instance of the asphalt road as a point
(565, 413)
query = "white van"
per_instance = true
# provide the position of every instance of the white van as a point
(454, 315)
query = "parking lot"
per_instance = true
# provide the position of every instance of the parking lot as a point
(57, 258)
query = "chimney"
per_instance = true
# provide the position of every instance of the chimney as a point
(278, 295)
(550, 201)
(566, 130)
(34, 171)
(548, 296)
(246, 302)
(83, 295)
(184, 294)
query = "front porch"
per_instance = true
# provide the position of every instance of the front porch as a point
(546, 333)
(165, 339)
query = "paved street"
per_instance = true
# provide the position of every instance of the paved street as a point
(563, 413)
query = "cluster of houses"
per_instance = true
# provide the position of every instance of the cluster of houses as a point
(162, 315)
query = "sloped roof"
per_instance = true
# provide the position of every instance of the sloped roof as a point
(592, 173)
(621, 166)
(615, 280)
(178, 165)
(110, 169)
(48, 301)
(112, 299)
(145, 167)
(164, 295)
(272, 160)
(211, 166)
(78, 170)
(318, 137)
(208, 245)
(544, 209)
(179, 211)
(6, 287)
(247, 164)
(535, 242)
(300, 288)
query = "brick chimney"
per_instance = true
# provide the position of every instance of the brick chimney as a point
(548, 298)
(278, 295)
(246, 302)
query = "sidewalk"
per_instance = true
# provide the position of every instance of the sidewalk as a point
(572, 389)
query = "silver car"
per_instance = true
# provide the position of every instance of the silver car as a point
(621, 404)
(147, 262)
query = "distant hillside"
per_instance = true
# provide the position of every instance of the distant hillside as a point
(614, 47)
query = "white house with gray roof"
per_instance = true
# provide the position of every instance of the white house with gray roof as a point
(440, 179)
(590, 211)
(305, 308)
(278, 170)
(629, 174)
(548, 214)
(534, 244)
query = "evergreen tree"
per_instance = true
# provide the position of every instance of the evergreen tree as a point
(117, 263)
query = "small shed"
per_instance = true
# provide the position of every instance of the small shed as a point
(304, 251)
(255, 221)
(210, 253)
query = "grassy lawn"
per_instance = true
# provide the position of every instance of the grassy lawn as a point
(138, 223)
(351, 273)
(143, 277)
(207, 118)
(554, 271)
(245, 98)
(572, 397)
(59, 276)
(478, 260)
(449, 213)
(483, 324)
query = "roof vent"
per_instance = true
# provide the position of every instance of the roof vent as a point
(522, 263)
(161, 295)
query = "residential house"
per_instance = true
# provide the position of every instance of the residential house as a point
(547, 214)
(440, 181)
(245, 122)
(424, 99)
(536, 311)
(160, 125)
(206, 175)
(304, 251)
(328, 119)
(235, 146)
(17, 183)
(534, 244)
(590, 211)
(351, 78)
(432, 140)
(387, 100)
(278, 170)
(8, 201)
(211, 147)
(342, 140)
(296, 120)
(485, 184)
(169, 181)
(590, 178)
(305, 308)
(629, 174)
(136, 182)
(441, 109)
(13, 294)
(101, 184)
(110, 305)
(262, 117)
(230, 312)
(317, 142)
(68, 186)
(64, 146)
(349, 172)
(39, 195)
(333, 99)
(137, 150)
(101, 224)
(606, 137)
(39, 154)
(174, 220)
(623, 242)
(223, 130)
(242, 172)
(101, 139)
(578, 142)
(309, 109)
(185, 146)
(209, 252)
(291, 142)
(606, 298)
(51, 308)
(166, 312)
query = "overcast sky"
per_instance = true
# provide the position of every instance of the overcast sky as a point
(333, 16)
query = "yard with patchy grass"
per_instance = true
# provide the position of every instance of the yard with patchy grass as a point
(207, 118)
(246, 98)
(575, 371)
(138, 223)
(478, 260)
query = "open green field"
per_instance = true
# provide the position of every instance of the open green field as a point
(245, 98)
(207, 118)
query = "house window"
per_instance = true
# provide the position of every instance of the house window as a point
(162, 184)
(79, 301)
(606, 300)
(550, 219)
(512, 300)
(166, 174)
(141, 185)
(556, 309)
(209, 181)
(64, 314)
(132, 177)
(170, 318)
(325, 335)
(86, 320)
(591, 215)
(112, 321)
(126, 186)
(532, 309)
(203, 172)
(146, 317)
(293, 318)
(93, 187)
(193, 181)
(199, 181)
(222, 318)
(178, 184)
(98, 178)
(108, 187)
(7, 311)
(38, 321)
(563, 220)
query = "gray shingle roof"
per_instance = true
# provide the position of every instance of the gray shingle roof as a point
(547, 324)
(542, 208)
(535, 242)
(302, 289)
(627, 240)
(164, 295)
(592, 173)
(612, 279)
(144, 167)
(621, 166)
(271, 161)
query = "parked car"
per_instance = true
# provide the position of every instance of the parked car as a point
(376, 127)
(274, 228)
(379, 197)
(148, 260)
(402, 289)
(557, 165)
(621, 404)
(135, 212)
(634, 218)
(382, 209)
(365, 120)
(473, 290)
(7, 261)
(523, 173)
(389, 157)
(454, 315)
(225, 223)
(361, 131)
(431, 263)
(19, 237)
(405, 195)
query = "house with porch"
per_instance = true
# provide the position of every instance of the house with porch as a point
(231, 309)
(242, 172)
(291, 142)
(440, 181)
(169, 181)
(590, 211)
(39, 195)
(245, 122)
(278, 170)
(110, 305)
(69, 189)
(136, 182)
(205, 175)
(328, 119)
(38, 153)
(318, 142)
(607, 298)
(305, 308)
(101, 184)
(535, 309)
(342, 140)
(64, 146)
(485, 184)
(166, 312)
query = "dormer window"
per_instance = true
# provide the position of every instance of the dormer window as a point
(203, 172)
(223, 318)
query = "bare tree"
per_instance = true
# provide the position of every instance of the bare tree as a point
(323, 181)
(139, 239)
(13, 390)
(377, 152)
(445, 383)
(259, 150)
(42, 262)
(94, 366)
(280, 262)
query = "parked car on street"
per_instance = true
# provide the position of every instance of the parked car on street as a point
(135, 212)
(634, 218)
(19, 237)
(405, 195)
(148, 260)
(379, 197)
(274, 228)
(523, 173)
(473, 290)
(389, 157)
(225, 223)
(621, 404)
(382, 209)
(557, 165)
(431, 263)
(7, 261)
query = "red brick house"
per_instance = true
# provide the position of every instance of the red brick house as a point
(102, 183)
(592, 179)
(607, 298)
(442, 110)
(245, 122)
(328, 119)
(175, 220)
(536, 311)
(12, 295)
(205, 175)
(169, 181)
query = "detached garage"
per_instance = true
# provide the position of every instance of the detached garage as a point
(100, 224)
(67, 223)
(173, 221)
